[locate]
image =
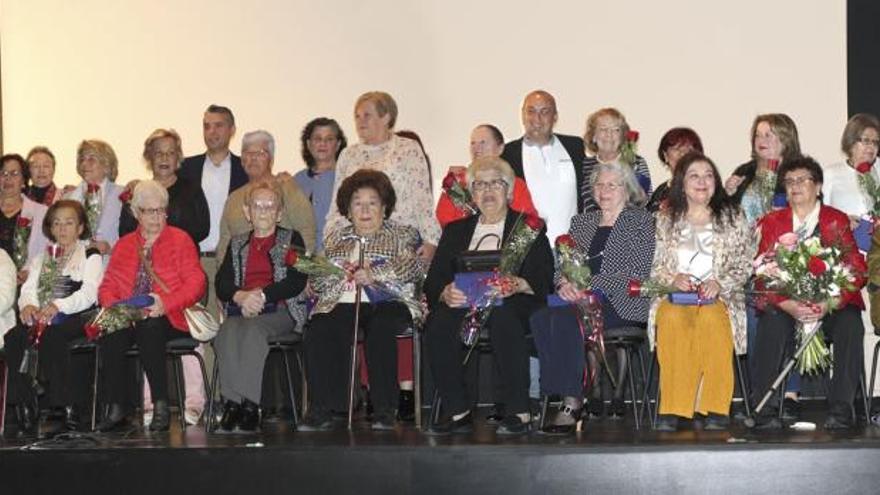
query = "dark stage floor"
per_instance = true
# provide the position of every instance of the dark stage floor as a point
(608, 455)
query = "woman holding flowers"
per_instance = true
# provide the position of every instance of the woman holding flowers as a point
(839, 314)
(523, 290)
(387, 282)
(608, 139)
(162, 262)
(704, 245)
(617, 244)
(847, 183)
(260, 292)
(20, 233)
(61, 285)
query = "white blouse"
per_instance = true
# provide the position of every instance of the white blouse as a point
(695, 251)
(840, 188)
(80, 268)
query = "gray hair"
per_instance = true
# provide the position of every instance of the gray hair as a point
(635, 195)
(148, 189)
(490, 163)
(259, 136)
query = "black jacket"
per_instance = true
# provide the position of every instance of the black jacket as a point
(191, 169)
(574, 145)
(187, 210)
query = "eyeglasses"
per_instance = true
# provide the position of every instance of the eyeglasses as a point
(256, 154)
(10, 173)
(610, 186)
(152, 211)
(492, 185)
(264, 206)
(869, 142)
(796, 181)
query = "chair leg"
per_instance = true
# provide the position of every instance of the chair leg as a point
(649, 382)
(95, 375)
(304, 399)
(873, 375)
(743, 386)
(181, 391)
(632, 385)
(435, 409)
(865, 401)
(209, 420)
(294, 419)
(205, 383)
(3, 399)
(545, 404)
(417, 376)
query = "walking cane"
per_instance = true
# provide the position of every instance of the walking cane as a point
(354, 333)
(750, 421)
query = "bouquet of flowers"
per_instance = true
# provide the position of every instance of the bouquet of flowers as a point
(456, 189)
(308, 264)
(513, 252)
(765, 182)
(92, 203)
(629, 147)
(813, 274)
(23, 227)
(648, 288)
(871, 191)
(121, 315)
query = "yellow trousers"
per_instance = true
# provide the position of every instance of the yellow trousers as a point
(695, 352)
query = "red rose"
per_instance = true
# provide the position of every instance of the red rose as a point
(92, 188)
(23, 222)
(773, 165)
(291, 257)
(55, 251)
(816, 266)
(632, 136)
(565, 240)
(449, 180)
(92, 331)
(634, 288)
(126, 196)
(864, 167)
(534, 222)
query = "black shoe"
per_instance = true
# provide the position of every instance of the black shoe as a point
(565, 422)
(27, 419)
(791, 410)
(512, 425)
(595, 408)
(250, 416)
(161, 416)
(231, 415)
(618, 409)
(716, 422)
(316, 421)
(406, 406)
(115, 419)
(383, 421)
(496, 414)
(839, 417)
(666, 423)
(768, 421)
(71, 418)
(461, 426)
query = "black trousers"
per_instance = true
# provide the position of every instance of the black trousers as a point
(508, 329)
(150, 335)
(328, 350)
(775, 341)
(66, 376)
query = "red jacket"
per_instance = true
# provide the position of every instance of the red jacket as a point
(834, 230)
(176, 263)
(447, 212)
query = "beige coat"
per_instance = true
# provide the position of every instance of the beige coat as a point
(733, 250)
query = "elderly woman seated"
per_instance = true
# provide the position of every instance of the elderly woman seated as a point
(617, 240)
(162, 262)
(491, 181)
(259, 290)
(366, 199)
(61, 285)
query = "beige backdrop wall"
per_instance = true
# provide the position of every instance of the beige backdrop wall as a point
(116, 70)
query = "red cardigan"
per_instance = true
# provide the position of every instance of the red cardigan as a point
(833, 230)
(176, 263)
(447, 212)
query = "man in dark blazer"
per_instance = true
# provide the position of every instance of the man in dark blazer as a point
(218, 172)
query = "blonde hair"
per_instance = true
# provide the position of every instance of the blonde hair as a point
(162, 134)
(103, 151)
(592, 123)
(492, 163)
(384, 103)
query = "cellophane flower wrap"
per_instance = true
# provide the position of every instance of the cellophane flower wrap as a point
(121, 315)
(93, 202)
(523, 234)
(23, 227)
(765, 182)
(455, 187)
(629, 147)
(808, 272)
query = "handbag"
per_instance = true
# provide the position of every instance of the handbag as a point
(203, 326)
(478, 261)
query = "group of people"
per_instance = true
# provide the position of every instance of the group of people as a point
(227, 230)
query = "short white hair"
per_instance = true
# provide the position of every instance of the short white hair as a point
(148, 189)
(259, 136)
(635, 195)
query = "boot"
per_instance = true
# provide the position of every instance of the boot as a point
(71, 418)
(114, 420)
(27, 419)
(406, 407)
(250, 416)
(161, 416)
(231, 416)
